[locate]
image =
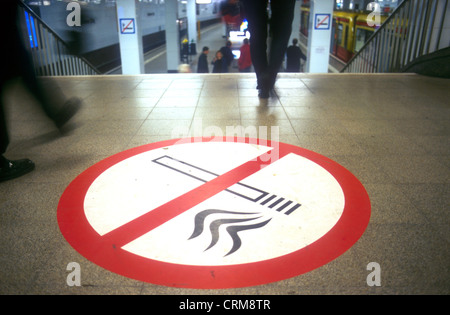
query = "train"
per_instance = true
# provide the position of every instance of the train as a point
(350, 31)
(97, 39)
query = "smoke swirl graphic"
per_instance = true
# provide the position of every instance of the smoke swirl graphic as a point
(233, 229)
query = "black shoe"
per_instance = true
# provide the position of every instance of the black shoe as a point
(14, 169)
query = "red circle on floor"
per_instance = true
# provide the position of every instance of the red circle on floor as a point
(279, 211)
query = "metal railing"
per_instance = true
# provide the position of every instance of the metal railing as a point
(50, 54)
(415, 28)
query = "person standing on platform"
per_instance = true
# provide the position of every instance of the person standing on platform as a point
(219, 63)
(245, 59)
(293, 56)
(19, 65)
(202, 66)
(282, 15)
(227, 55)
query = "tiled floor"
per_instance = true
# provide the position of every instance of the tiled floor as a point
(391, 131)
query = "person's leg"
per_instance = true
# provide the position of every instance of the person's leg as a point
(49, 95)
(256, 14)
(4, 138)
(9, 169)
(281, 28)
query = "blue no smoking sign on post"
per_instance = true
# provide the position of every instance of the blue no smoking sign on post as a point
(322, 21)
(127, 26)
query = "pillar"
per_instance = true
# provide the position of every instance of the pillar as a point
(319, 39)
(172, 36)
(130, 38)
(191, 13)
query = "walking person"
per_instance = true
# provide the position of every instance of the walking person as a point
(19, 65)
(268, 63)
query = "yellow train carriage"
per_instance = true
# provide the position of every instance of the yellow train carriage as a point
(350, 31)
(343, 35)
(363, 31)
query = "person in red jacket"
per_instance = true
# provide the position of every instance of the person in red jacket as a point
(245, 60)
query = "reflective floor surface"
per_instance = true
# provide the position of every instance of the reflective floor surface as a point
(391, 131)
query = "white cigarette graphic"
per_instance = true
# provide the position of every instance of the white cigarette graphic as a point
(272, 201)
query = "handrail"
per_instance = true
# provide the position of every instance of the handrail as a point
(51, 55)
(388, 19)
(414, 29)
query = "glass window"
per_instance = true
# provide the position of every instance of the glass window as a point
(362, 36)
(340, 31)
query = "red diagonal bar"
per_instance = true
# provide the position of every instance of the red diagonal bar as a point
(127, 26)
(323, 21)
(158, 216)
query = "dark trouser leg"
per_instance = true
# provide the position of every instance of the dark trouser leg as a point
(48, 95)
(9, 169)
(256, 15)
(4, 139)
(281, 28)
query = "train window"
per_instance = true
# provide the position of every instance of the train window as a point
(333, 38)
(304, 23)
(346, 36)
(362, 36)
(340, 31)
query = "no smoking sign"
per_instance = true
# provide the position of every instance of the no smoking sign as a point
(209, 214)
